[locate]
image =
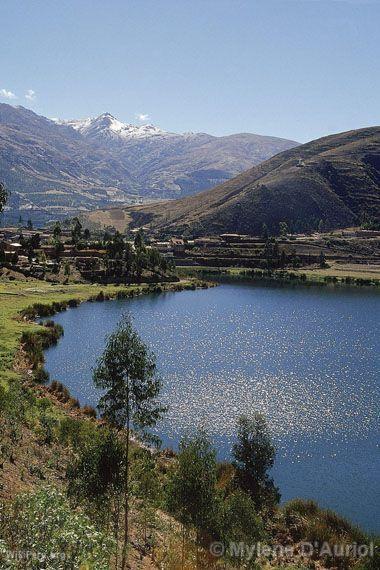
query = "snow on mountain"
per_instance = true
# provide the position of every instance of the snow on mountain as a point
(66, 166)
(107, 126)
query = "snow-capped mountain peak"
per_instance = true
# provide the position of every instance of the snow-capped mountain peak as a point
(107, 126)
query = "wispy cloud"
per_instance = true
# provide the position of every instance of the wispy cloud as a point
(142, 117)
(30, 95)
(6, 94)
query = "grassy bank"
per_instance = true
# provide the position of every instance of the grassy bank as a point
(42, 427)
(21, 301)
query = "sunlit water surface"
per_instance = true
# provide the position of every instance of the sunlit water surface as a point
(308, 358)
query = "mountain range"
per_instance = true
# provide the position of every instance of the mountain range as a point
(55, 168)
(335, 179)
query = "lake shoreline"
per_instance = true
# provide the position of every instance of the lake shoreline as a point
(150, 314)
(311, 278)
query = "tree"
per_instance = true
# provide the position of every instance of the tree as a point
(254, 455)
(322, 260)
(191, 492)
(139, 240)
(126, 372)
(264, 232)
(146, 491)
(139, 264)
(154, 259)
(96, 475)
(29, 224)
(35, 241)
(87, 234)
(59, 248)
(283, 258)
(271, 252)
(66, 269)
(164, 265)
(57, 231)
(240, 524)
(321, 226)
(30, 244)
(115, 250)
(284, 230)
(115, 246)
(128, 257)
(3, 196)
(76, 231)
(106, 237)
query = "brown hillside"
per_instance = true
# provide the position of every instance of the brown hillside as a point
(335, 178)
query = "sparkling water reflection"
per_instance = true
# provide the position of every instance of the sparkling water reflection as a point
(307, 358)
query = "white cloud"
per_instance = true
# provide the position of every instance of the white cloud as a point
(142, 117)
(6, 94)
(30, 95)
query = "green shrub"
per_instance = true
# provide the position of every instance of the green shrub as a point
(35, 342)
(71, 432)
(306, 521)
(96, 473)
(58, 538)
(240, 523)
(41, 376)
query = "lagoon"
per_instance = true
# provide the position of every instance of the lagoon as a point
(306, 357)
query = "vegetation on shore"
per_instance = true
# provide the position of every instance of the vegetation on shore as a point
(75, 468)
(320, 276)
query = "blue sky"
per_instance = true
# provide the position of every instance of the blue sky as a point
(298, 69)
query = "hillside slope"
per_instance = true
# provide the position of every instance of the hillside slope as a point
(52, 167)
(170, 165)
(335, 178)
(60, 168)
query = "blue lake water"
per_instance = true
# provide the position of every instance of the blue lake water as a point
(308, 358)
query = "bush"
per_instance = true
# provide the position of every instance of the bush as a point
(43, 523)
(253, 457)
(123, 294)
(62, 393)
(75, 433)
(54, 386)
(296, 513)
(97, 471)
(306, 521)
(43, 310)
(35, 342)
(74, 403)
(41, 375)
(240, 523)
(89, 411)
